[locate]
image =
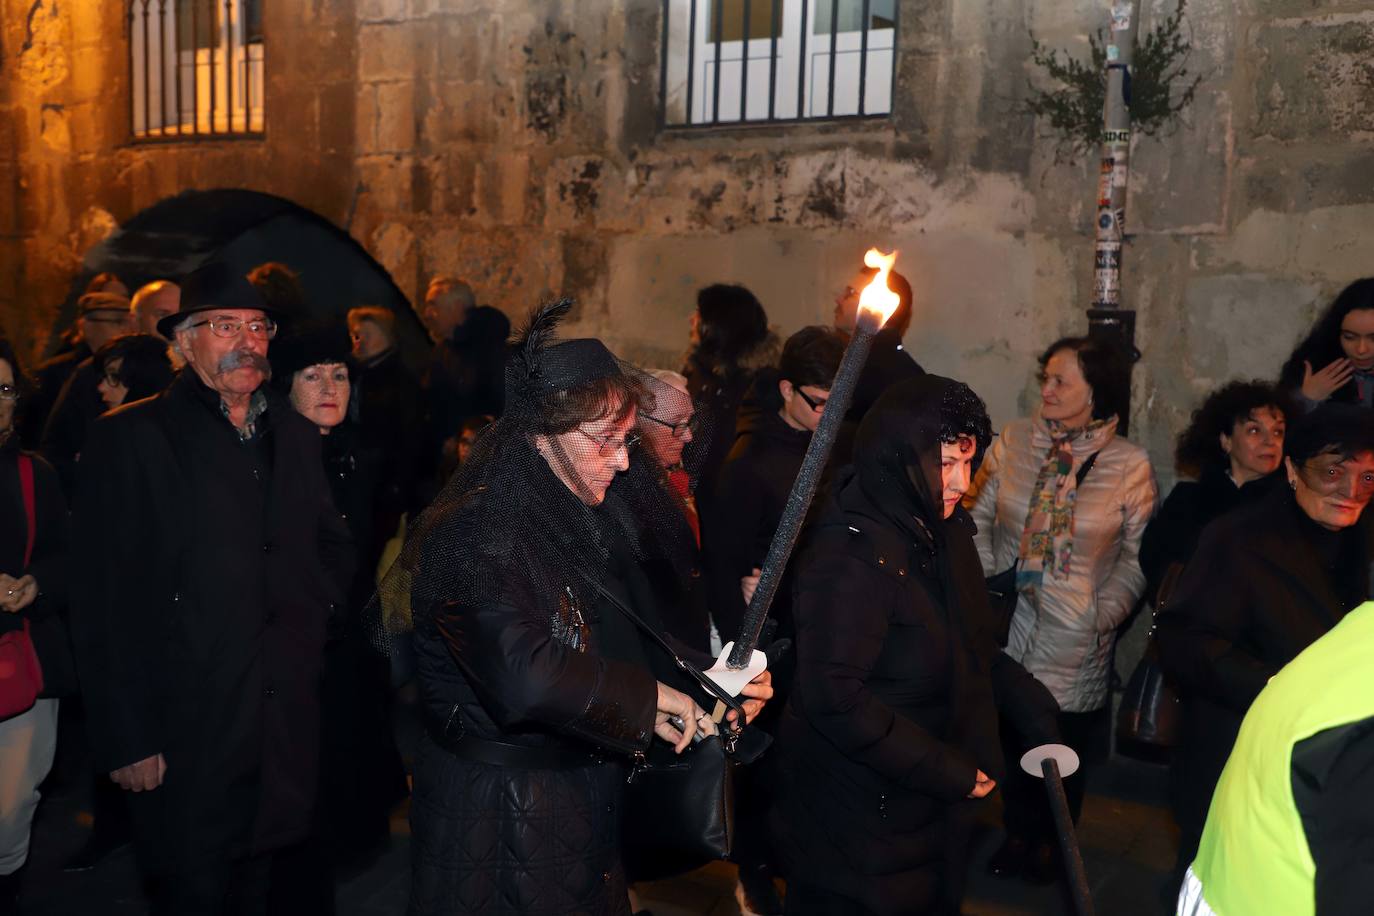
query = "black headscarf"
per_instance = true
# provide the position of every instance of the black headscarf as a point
(897, 450)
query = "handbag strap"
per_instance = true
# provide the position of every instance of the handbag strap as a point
(30, 514)
(1085, 467)
(687, 667)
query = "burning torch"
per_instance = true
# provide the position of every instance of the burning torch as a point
(740, 662)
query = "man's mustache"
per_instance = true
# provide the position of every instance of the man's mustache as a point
(245, 359)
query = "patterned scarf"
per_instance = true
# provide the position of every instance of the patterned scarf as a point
(1047, 539)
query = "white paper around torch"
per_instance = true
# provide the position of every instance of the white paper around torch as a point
(732, 680)
(1063, 755)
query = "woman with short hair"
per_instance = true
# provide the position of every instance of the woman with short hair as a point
(1065, 500)
(1266, 581)
(1231, 450)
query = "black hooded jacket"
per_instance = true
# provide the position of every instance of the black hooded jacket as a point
(893, 711)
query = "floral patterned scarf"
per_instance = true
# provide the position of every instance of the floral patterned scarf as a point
(1047, 539)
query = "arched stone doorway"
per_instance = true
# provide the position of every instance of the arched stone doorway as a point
(246, 228)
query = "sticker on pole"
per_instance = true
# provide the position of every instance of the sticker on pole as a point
(1121, 17)
(1061, 754)
(1117, 137)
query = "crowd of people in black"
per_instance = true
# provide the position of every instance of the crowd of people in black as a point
(234, 535)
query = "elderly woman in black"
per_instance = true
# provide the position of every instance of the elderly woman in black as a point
(536, 693)
(1266, 582)
(891, 729)
(1232, 450)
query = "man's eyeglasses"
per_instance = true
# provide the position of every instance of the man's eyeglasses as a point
(813, 403)
(607, 446)
(690, 425)
(260, 328)
(9, 393)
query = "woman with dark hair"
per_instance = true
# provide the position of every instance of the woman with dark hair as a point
(1266, 581)
(1064, 501)
(729, 342)
(131, 368)
(361, 775)
(1336, 359)
(536, 692)
(892, 722)
(1232, 449)
(33, 582)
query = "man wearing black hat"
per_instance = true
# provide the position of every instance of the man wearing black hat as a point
(213, 558)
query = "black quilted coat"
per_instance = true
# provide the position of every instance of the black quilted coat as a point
(502, 839)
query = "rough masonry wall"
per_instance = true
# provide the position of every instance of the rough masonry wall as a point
(515, 142)
(69, 173)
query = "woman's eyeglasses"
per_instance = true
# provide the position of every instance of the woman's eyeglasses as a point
(690, 425)
(111, 378)
(815, 404)
(607, 446)
(262, 328)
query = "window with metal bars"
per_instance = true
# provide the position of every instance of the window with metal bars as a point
(765, 61)
(195, 68)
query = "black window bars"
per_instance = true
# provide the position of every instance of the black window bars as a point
(195, 68)
(727, 62)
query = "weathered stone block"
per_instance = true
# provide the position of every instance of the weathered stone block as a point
(395, 116)
(1315, 78)
(1242, 325)
(386, 51)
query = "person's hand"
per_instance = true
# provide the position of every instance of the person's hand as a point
(982, 785)
(759, 691)
(143, 776)
(750, 584)
(679, 718)
(17, 594)
(1320, 385)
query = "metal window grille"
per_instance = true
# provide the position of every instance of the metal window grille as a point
(766, 61)
(195, 68)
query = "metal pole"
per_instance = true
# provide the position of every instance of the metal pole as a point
(1068, 840)
(1106, 318)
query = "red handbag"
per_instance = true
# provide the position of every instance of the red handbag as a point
(21, 676)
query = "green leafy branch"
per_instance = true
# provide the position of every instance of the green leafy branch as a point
(1162, 85)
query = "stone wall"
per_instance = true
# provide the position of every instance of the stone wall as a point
(516, 142)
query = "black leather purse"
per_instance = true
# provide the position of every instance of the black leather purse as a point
(1150, 708)
(1002, 593)
(680, 808)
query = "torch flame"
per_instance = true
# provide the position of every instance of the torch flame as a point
(876, 298)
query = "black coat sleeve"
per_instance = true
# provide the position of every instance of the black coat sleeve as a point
(115, 608)
(525, 676)
(1170, 537)
(1333, 779)
(1200, 631)
(842, 613)
(729, 532)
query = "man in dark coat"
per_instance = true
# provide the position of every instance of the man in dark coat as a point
(757, 477)
(76, 402)
(212, 558)
(387, 410)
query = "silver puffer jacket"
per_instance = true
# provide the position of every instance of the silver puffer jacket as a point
(1067, 641)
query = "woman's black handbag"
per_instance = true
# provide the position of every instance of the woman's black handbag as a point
(1002, 593)
(679, 808)
(1149, 713)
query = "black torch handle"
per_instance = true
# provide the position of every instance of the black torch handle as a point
(804, 488)
(1068, 839)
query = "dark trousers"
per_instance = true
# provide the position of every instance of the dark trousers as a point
(288, 881)
(1026, 809)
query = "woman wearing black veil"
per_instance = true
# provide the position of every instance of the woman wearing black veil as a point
(536, 694)
(891, 735)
